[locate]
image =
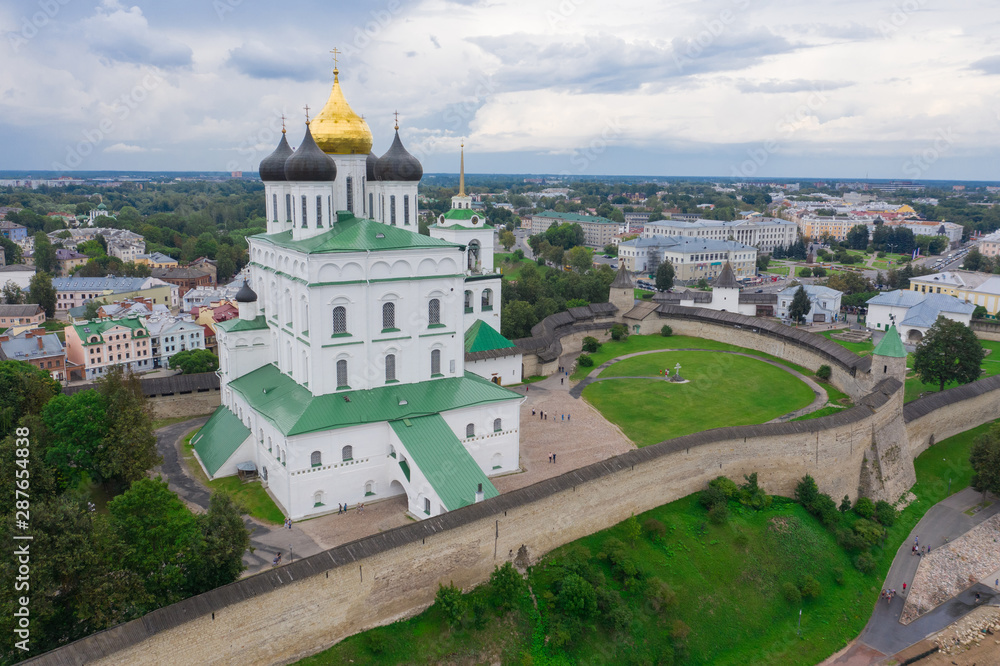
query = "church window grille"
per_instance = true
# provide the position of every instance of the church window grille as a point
(497, 425)
(390, 367)
(350, 194)
(392, 209)
(470, 430)
(305, 211)
(316, 459)
(406, 209)
(319, 211)
(274, 200)
(347, 453)
(339, 319)
(288, 207)
(388, 315)
(434, 311)
(435, 361)
(341, 373)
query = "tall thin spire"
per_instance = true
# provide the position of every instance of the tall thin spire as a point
(461, 173)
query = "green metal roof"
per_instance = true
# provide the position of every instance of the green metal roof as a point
(890, 345)
(294, 410)
(218, 439)
(483, 337)
(461, 227)
(353, 234)
(464, 214)
(237, 324)
(440, 456)
(84, 331)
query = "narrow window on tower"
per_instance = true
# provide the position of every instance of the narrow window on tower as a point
(350, 194)
(329, 209)
(342, 374)
(364, 188)
(274, 198)
(319, 211)
(288, 207)
(371, 205)
(305, 211)
(392, 209)
(406, 209)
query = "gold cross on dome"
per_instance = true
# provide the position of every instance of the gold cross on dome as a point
(396, 115)
(307, 114)
(335, 53)
(282, 123)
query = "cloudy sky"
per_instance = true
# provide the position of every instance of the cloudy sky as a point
(752, 88)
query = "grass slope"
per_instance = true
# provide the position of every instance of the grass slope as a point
(650, 411)
(914, 387)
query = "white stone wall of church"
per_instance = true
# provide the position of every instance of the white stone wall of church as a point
(353, 167)
(316, 221)
(398, 189)
(486, 443)
(477, 289)
(485, 237)
(277, 212)
(507, 368)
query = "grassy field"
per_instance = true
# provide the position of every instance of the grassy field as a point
(859, 348)
(650, 411)
(914, 387)
(727, 581)
(252, 496)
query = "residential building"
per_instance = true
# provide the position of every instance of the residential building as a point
(913, 313)
(824, 303)
(169, 335)
(206, 265)
(597, 231)
(37, 347)
(19, 274)
(185, 278)
(67, 261)
(989, 246)
(13, 231)
(200, 297)
(73, 292)
(693, 258)
(96, 346)
(950, 230)
(156, 260)
(764, 233)
(21, 315)
(816, 227)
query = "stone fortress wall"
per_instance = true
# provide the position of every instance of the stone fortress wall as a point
(298, 609)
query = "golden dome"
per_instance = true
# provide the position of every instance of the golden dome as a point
(337, 129)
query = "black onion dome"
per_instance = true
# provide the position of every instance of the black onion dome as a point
(370, 163)
(272, 167)
(397, 164)
(309, 163)
(246, 294)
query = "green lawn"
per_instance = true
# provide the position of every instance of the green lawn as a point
(859, 348)
(511, 269)
(251, 495)
(727, 580)
(652, 410)
(644, 293)
(160, 423)
(914, 387)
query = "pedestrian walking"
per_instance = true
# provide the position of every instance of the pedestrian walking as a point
(567, 417)
(916, 540)
(977, 597)
(553, 457)
(563, 417)
(561, 380)
(550, 457)
(904, 587)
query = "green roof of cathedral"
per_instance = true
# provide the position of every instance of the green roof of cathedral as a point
(890, 345)
(294, 410)
(483, 337)
(463, 214)
(218, 439)
(237, 324)
(353, 234)
(440, 456)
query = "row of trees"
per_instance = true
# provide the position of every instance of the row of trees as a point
(539, 292)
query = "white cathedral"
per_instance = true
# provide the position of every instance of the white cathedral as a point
(366, 361)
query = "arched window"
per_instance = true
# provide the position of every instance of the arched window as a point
(487, 300)
(305, 211)
(318, 498)
(339, 320)
(316, 459)
(347, 453)
(435, 362)
(341, 373)
(261, 435)
(434, 311)
(497, 425)
(473, 255)
(369, 488)
(470, 430)
(319, 211)
(392, 209)
(390, 367)
(388, 315)
(468, 301)
(350, 194)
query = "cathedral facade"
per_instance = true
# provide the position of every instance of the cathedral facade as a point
(366, 362)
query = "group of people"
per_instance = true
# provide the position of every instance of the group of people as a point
(916, 548)
(542, 416)
(342, 508)
(552, 457)
(889, 594)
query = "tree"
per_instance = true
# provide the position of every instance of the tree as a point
(507, 239)
(225, 259)
(506, 586)
(619, 332)
(11, 251)
(985, 461)
(579, 258)
(805, 272)
(950, 352)
(974, 261)
(24, 391)
(806, 491)
(800, 306)
(665, 276)
(857, 237)
(45, 254)
(449, 599)
(90, 310)
(128, 449)
(225, 539)
(980, 312)
(763, 260)
(193, 361)
(611, 249)
(12, 294)
(41, 291)
(76, 427)
(591, 344)
(518, 318)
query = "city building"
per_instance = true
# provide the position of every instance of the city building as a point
(725, 296)
(950, 230)
(693, 258)
(185, 278)
(597, 231)
(169, 335)
(764, 233)
(816, 227)
(72, 292)
(344, 377)
(21, 315)
(824, 303)
(13, 231)
(37, 347)
(989, 246)
(19, 274)
(99, 212)
(200, 297)
(913, 313)
(156, 260)
(67, 261)
(96, 346)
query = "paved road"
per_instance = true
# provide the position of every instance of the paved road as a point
(265, 540)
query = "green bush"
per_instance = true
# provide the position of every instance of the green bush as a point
(711, 497)
(719, 514)
(849, 541)
(864, 507)
(576, 597)
(810, 587)
(869, 532)
(633, 530)
(591, 344)
(824, 508)
(885, 513)
(659, 595)
(845, 504)
(824, 373)
(726, 486)
(791, 594)
(865, 563)
(619, 332)
(449, 599)
(654, 528)
(805, 272)
(666, 331)
(838, 575)
(506, 586)
(585, 361)
(806, 491)
(880, 255)
(752, 495)
(819, 272)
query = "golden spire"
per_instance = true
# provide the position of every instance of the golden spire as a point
(461, 173)
(282, 123)
(336, 128)
(396, 114)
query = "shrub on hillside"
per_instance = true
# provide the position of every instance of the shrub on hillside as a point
(791, 594)
(506, 586)
(711, 497)
(619, 332)
(726, 486)
(809, 587)
(449, 599)
(752, 495)
(849, 540)
(864, 507)
(845, 504)
(654, 528)
(865, 563)
(632, 528)
(591, 344)
(824, 373)
(806, 491)
(719, 514)
(869, 532)
(585, 361)
(885, 513)
(659, 595)
(824, 508)
(666, 331)
(576, 597)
